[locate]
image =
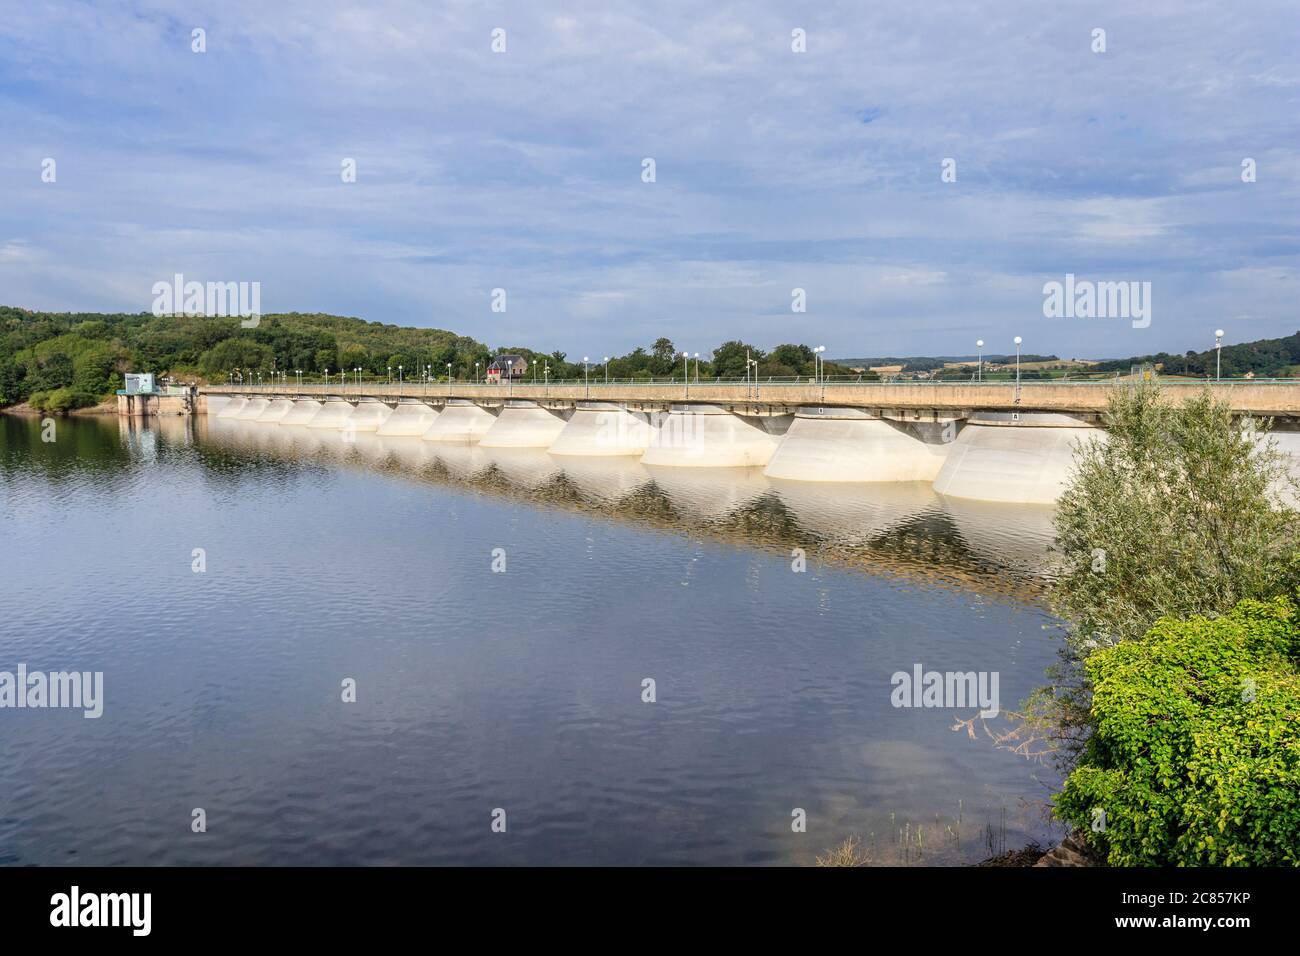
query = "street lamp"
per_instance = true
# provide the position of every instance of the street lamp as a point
(449, 380)
(697, 368)
(534, 371)
(476, 365)
(1218, 353)
(606, 369)
(1017, 365)
(817, 362)
(979, 374)
(584, 375)
(686, 372)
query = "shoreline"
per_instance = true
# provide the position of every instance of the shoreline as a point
(24, 410)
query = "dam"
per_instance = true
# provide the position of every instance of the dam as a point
(994, 442)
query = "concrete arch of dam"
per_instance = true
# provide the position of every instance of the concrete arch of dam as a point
(303, 411)
(233, 407)
(853, 445)
(709, 436)
(523, 424)
(367, 416)
(603, 429)
(460, 421)
(1287, 445)
(332, 414)
(276, 411)
(410, 419)
(1024, 457)
(254, 408)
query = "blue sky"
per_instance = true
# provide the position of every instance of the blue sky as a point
(775, 170)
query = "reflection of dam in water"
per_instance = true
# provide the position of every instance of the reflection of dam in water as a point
(893, 528)
(1014, 457)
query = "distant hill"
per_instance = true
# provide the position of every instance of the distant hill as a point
(69, 359)
(929, 363)
(1265, 358)
(64, 360)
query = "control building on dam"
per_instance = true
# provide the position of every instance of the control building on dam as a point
(988, 441)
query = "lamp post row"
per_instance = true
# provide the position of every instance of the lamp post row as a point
(236, 376)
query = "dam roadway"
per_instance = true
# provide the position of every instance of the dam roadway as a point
(993, 441)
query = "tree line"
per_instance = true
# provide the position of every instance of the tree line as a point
(68, 360)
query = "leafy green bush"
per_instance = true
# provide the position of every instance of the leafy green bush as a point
(62, 400)
(1179, 511)
(1196, 756)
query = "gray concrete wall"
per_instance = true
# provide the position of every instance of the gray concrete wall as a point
(135, 406)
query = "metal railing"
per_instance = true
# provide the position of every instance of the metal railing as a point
(421, 387)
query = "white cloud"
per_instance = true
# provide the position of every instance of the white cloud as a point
(775, 169)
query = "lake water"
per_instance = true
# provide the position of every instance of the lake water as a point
(477, 689)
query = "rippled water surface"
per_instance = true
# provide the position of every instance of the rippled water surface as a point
(478, 690)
